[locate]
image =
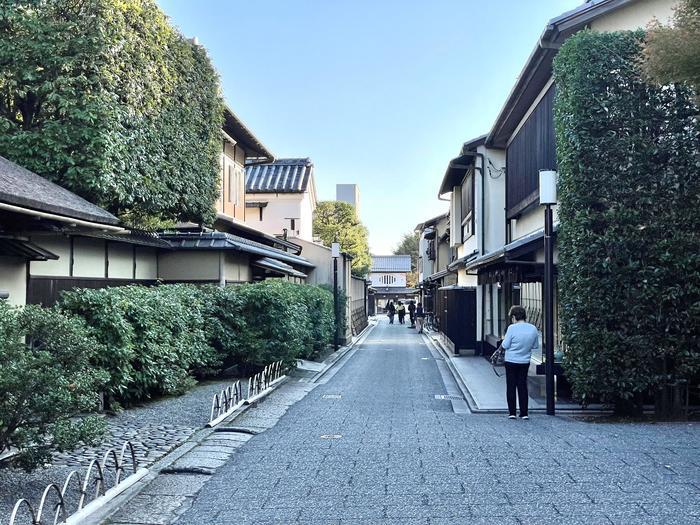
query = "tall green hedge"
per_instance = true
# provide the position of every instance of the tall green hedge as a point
(107, 99)
(629, 238)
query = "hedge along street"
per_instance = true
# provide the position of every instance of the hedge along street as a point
(628, 238)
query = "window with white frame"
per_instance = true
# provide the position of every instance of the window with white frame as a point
(387, 279)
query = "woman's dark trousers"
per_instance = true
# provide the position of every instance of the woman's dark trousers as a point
(516, 379)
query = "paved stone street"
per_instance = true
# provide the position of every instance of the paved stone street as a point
(388, 451)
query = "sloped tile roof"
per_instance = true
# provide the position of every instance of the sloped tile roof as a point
(391, 263)
(280, 176)
(21, 187)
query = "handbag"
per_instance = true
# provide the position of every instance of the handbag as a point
(498, 358)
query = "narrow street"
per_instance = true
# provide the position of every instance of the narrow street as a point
(387, 451)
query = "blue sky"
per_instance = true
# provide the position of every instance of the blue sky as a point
(381, 93)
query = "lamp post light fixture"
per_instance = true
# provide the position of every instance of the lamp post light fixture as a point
(335, 253)
(548, 197)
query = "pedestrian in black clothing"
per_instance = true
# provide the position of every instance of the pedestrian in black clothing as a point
(420, 315)
(412, 313)
(391, 311)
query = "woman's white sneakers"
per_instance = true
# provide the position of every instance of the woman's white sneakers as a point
(524, 417)
(512, 417)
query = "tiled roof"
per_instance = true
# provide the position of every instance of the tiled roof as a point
(281, 176)
(391, 263)
(228, 241)
(21, 187)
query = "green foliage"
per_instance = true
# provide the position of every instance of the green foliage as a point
(253, 325)
(105, 98)
(336, 221)
(46, 382)
(629, 244)
(672, 53)
(409, 246)
(154, 338)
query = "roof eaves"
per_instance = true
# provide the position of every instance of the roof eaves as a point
(244, 135)
(537, 69)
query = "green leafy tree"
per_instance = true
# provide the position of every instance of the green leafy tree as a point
(409, 246)
(629, 263)
(46, 382)
(336, 221)
(107, 99)
(672, 53)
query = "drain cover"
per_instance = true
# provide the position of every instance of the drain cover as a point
(331, 396)
(447, 396)
(331, 436)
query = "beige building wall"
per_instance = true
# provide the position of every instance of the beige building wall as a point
(146, 263)
(189, 266)
(320, 256)
(13, 279)
(88, 257)
(121, 261)
(636, 15)
(237, 268)
(57, 245)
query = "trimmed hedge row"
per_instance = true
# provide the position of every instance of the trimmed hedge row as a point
(629, 246)
(156, 340)
(135, 342)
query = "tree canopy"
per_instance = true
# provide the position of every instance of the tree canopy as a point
(409, 246)
(107, 99)
(336, 221)
(672, 53)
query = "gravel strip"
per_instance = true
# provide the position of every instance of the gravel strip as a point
(154, 428)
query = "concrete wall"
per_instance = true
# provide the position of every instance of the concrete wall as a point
(13, 279)
(349, 193)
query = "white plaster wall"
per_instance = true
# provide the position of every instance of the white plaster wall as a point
(13, 279)
(307, 218)
(58, 245)
(121, 261)
(636, 15)
(400, 279)
(494, 187)
(455, 217)
(237, 268)
(465, 279)
(146, 263)
(188, 266)
(88, 257)
(275, 214)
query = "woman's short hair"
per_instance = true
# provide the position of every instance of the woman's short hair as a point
(518, 312)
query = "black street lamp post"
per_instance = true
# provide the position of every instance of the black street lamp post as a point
(335, 253)
(548, 197)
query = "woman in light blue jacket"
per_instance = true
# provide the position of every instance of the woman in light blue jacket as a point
(520, 341)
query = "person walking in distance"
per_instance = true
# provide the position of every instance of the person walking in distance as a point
(520, 341)
(420, 315)
(412, 313)
(401, 310)
(391, 311)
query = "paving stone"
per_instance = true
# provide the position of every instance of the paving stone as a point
(405, 457)
(176, 485)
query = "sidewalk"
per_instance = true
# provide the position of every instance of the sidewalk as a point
(486, 391)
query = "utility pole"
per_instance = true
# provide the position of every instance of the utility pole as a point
(335, 253)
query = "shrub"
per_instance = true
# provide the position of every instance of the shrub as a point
(154, 338)
(46, 382)
(629, 262)
(255, 324)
